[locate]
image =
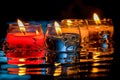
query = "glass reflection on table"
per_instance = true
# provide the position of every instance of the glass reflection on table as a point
(26, 59)
(97, 60)
(94, 63)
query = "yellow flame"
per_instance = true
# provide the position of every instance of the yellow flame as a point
(57, 28)
(21, 26)
(37, 32)
(96, 18)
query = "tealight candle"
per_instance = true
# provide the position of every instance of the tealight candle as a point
(28, 37)
(100, 31)
(62, 38)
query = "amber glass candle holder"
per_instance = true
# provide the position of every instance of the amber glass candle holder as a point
(101, 34)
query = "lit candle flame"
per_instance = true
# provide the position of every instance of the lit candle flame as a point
(37, 32)
(21, 26)
(57, 28)
(96, 18)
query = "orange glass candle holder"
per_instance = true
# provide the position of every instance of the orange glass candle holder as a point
(101, 34)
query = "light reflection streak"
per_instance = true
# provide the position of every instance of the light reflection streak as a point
(96, 61)
(92, 64)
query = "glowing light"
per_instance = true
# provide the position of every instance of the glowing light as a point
(21, 26)
(56, 64)
(69, 22)
(57, 28)
(95, 70)
(22, 60)
(22, 71)
(37, 32)
(96, 18)
(21, 64)
(96, 55)
(57, 71)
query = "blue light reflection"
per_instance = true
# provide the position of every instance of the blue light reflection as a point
(14, 77)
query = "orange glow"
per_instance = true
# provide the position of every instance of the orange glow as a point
(22, 71)
(21, 64)
(95, 70)
(57, 64)
(96, 18)
(22, 60)
(69, 22)
(96, 56)
(57, 71)
(21, 26)
(37, 32)
(57, 28)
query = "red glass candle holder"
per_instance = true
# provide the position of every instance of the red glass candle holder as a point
(24, 37)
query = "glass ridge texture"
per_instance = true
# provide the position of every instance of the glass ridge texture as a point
(70, 36)
(100, 35)
(32, 39)
(65, 45)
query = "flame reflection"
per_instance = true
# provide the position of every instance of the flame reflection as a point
(26, 60)
(97, 61)
(94, 63)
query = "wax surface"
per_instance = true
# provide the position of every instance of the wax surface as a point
(23, 40)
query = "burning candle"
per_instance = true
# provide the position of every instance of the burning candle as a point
(84, 33)
(24, 37)
(62, 38)
(100, 31)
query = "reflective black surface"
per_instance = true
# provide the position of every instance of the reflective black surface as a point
(93, 64)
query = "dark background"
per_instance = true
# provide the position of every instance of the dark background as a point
(37, 10)
(11, 10)
(55, 9)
